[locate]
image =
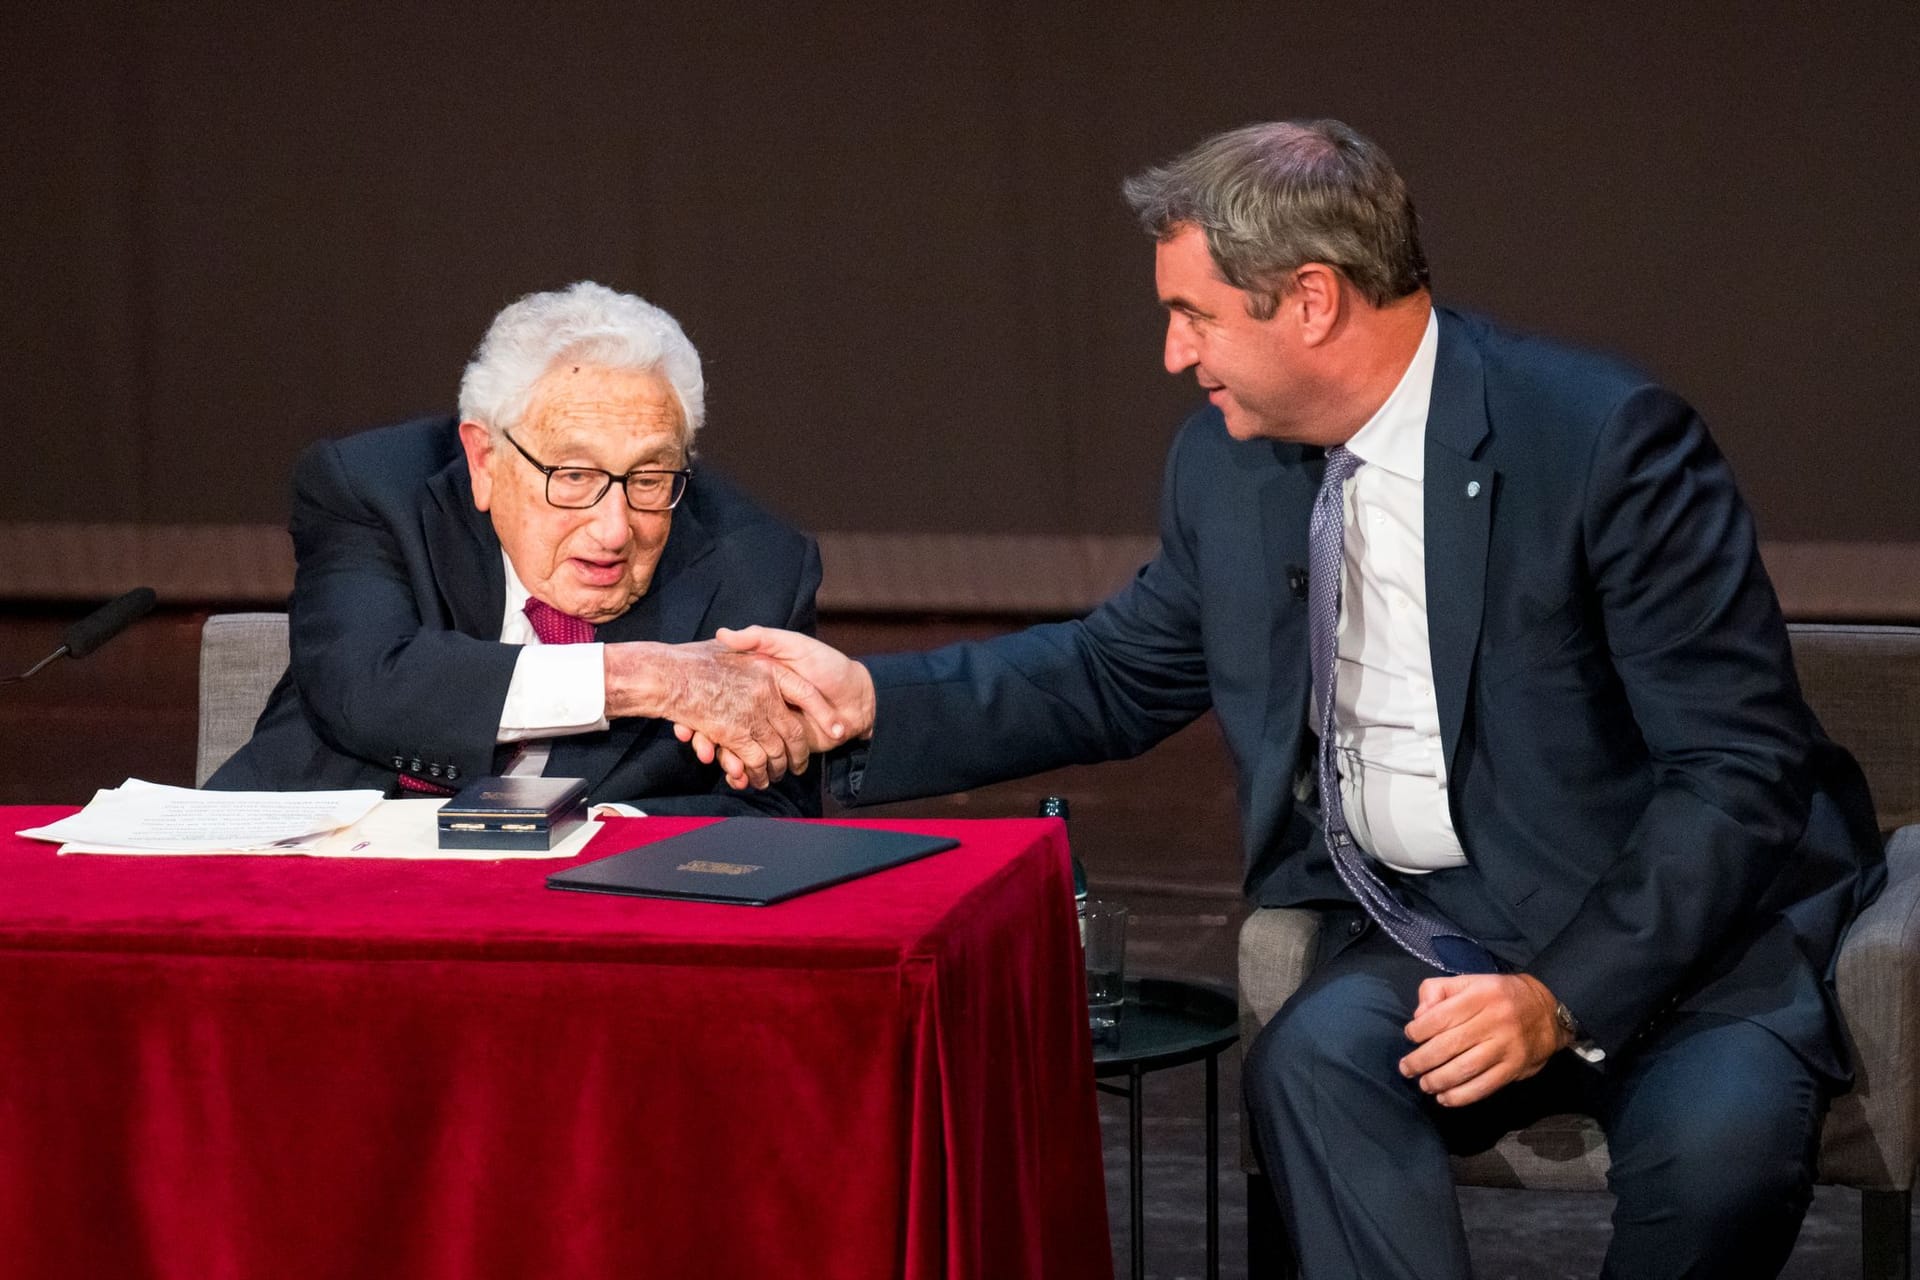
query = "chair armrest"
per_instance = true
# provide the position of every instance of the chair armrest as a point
(1872, 1137)
(1276, 950)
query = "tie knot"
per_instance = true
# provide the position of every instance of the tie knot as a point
(555, 627)
(1341, 463)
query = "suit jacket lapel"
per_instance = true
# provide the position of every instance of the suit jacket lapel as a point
(1285, 497)
(465, 555)
(672, 612)
(1459, 497)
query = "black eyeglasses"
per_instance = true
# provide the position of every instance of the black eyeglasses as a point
(577, 488)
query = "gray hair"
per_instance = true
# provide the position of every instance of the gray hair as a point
(586, 322)
(1272, 197)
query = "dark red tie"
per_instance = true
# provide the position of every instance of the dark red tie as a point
(553, 627)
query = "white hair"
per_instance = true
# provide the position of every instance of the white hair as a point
(586, 322)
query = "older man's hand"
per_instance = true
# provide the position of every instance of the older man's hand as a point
(751, 707)
(843, 683)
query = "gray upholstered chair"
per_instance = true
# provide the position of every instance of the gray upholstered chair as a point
(242, 656)
(1864, 683)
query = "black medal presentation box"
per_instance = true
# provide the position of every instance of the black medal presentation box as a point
(752, 862)
(513, 813)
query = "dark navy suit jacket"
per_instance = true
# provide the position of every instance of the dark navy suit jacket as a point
(1630, 766)
(397, 602)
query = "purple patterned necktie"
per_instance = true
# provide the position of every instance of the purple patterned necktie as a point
(1421, 934)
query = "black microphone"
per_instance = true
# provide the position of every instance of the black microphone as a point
(98, 627)
(1297, 581)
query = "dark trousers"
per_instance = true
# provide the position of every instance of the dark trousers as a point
(1712, 1124)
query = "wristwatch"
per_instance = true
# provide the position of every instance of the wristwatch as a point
(1564, 1016)
(1583, 1048)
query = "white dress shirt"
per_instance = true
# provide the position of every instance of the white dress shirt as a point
(557, 689)
(1393, 771)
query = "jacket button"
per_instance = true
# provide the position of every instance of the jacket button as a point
(417, 766)
(453, 772)
(399, 762)
(1356, 927)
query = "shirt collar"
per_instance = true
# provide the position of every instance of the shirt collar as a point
(1395, 437)
(517, 593)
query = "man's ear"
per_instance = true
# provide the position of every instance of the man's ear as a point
(478, 442)
(1317, 299)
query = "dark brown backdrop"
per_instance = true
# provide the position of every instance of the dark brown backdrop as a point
(231, 228)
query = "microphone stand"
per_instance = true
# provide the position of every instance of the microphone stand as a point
(57, 653)
(94, 630)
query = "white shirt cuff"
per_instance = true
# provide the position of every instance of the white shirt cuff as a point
(556, 689)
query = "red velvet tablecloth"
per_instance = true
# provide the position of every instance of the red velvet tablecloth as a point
(229, 1068)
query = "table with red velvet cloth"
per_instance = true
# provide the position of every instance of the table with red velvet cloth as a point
(225, 1068)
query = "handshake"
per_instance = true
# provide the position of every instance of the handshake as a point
(758, 701)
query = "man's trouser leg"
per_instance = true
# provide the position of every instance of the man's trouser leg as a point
(1712, 1125)
(1713, 1128)
(1348, 1143)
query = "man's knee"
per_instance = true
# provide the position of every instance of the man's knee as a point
(1335, 1031)
(1718, 1164)
(1727, 1140)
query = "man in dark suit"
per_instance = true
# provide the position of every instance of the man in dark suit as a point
(518, 589)
(1508, 693)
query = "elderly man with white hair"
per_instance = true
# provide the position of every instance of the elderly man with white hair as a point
(527, 587)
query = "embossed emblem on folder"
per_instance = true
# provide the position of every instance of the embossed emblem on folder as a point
(719, 868)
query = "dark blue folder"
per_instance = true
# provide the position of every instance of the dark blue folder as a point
(749, 861)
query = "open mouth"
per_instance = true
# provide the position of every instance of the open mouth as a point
(599, 573)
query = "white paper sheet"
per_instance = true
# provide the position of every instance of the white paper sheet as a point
(147, 817)
(404, 829)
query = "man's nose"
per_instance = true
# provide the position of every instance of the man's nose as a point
(609, 519)
(1178, 354)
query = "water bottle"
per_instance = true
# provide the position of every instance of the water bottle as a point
(1056, 807)
(1103, 937)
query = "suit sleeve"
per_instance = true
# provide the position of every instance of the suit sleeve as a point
(1104, 687)
(374, 681)
(1700, 650)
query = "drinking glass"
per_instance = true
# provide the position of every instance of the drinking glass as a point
(1103, 930)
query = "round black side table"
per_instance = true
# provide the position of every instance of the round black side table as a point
(1165, 1023)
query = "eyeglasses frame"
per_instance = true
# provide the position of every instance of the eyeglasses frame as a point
(626, 494)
